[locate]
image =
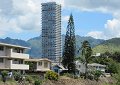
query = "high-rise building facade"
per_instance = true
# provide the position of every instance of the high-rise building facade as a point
(51, 30)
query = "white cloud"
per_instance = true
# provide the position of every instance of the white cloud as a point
(97, 34)
(112, 29)
(65, 18)
(95, 5)
(21, 15)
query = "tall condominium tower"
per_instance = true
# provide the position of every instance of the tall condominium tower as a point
(51, 31)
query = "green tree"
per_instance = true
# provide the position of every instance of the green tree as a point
(69, 47)
(86, 52)
(97, 74)
(4, 75)
(32, 65)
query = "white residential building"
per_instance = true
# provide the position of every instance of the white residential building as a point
(96, 66)
(91, 67)
(12, 57)
(40, 65)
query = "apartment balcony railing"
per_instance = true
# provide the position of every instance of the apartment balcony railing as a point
(19, 66)
(10, 54)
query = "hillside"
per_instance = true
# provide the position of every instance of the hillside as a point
(110, 45)
(35, 43)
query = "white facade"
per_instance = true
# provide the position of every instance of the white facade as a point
(91, 67)
(80, 67)
(96, 66)
(51, 31)
(41, 65)
(12, 57)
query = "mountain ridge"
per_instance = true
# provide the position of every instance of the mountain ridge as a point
(111, 45)
(35, 44)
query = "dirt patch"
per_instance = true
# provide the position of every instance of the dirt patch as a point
(69, 81)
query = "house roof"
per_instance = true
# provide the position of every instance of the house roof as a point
(96, 64)
(11, 45)
(59, 65)
(40, 59)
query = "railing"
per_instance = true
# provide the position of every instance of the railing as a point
(19, 55)
(20, 66)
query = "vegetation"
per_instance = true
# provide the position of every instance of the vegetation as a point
(37, 82)
(117, 76)
(17, 76)
(29, 78)
(86, 53)
(69, 47)
(32, 65)
(51, 75)
(4, 75)
(111, 46)
(96, 74)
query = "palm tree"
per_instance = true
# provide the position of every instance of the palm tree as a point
(86, 53)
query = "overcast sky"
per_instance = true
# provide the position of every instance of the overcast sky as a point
(21, 19)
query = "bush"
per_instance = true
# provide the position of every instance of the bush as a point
(29, 79)
(35, 77)
(68, 75)
(37, 82)
(4, 75)
(51, 75)
(97, 74)
(17, 76)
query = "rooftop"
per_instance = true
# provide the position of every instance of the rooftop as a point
(36, 60)
(11, 45)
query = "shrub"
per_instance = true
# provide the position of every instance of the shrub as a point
(37, 82)
(97, 74)
(69, 75)
(4, 75)
(34, 77)
(17, 76)
(51, 75)
(29, 79)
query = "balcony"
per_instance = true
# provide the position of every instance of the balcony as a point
(19, 55)
(19, 66)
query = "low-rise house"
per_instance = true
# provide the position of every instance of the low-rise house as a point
(40, 65)
(12, 57)
(58, 68)
(96, 66)
(80, 67)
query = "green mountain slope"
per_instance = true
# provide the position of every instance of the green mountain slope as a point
(110, 45)
(36, 47)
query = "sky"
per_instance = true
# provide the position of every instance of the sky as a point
(21, 19)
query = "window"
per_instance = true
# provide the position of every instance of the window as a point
(40, 63)
(1, 48)
(17, 61)
(45, 64)
(18, 50)
(1, 60)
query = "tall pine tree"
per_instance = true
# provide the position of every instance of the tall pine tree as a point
(69, 47)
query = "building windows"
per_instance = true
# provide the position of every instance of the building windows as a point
(18, 50)
(17, 61)
(40, 63)
(1, 48)
(1, 60)
(45, 64)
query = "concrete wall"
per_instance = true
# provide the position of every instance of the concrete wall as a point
(42, 67)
